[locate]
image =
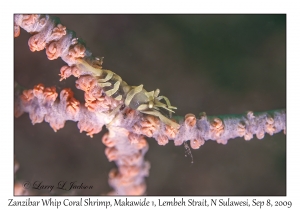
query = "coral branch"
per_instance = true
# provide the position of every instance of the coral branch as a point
(39, 103)
(127, 151)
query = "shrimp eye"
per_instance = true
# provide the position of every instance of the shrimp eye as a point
(151, 104)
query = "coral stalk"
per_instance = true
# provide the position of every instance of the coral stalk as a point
(40, 104)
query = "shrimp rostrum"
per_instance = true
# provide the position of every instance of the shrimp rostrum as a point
(134, 97)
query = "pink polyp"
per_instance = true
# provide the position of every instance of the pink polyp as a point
(89, 127)
(29, 19)
(148, 125)
(171, 132)
(78, 51)
(59, 31)
(55, 123)
(86, 83)
(134, 138)
(27, 95)
(92, 105)
(50, 94)
(35, 43)
(65, 72)
(260, 134)
(73, 106)
(108, 141)
(111, 153)
(190, 120)
(66, 94)
(142, 143)
(148, 131)
(196, 143)
(38, 90)
(17, 30)
(248, 136)
(162, 140)
(52, 51)
(36, 117)
(216, 128)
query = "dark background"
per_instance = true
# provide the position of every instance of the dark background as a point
(220, 64)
